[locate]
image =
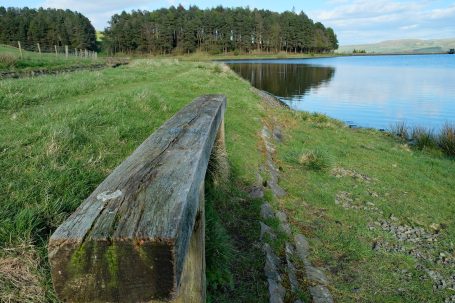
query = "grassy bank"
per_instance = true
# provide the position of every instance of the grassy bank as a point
(62, 136)
(378, 213)
(10, 60)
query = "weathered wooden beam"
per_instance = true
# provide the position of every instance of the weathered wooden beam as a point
(132, 239)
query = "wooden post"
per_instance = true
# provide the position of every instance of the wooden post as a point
(75, 52)
(39, 48)
(139, 237)
(56, 52)
(20, 48)
(86, 53)
(193, 282)
(66, 51)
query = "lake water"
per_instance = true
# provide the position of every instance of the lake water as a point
(367, 91)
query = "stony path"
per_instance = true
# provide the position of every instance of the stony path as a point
(280, 272)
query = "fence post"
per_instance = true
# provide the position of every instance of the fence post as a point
(39, 48)
(75, 52)
(86, 53)
(66, 51)
(56, 52)
(20, 48)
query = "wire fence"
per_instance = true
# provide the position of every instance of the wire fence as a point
(57, 50)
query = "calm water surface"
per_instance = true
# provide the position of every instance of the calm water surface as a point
(370, 91)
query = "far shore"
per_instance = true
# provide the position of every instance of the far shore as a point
(203, 56)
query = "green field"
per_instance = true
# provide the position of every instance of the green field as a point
(62, 135)
(10, 60)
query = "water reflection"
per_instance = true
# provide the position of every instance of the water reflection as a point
(370, 91)
(284, 80)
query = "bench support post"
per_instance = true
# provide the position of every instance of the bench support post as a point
(193, 284)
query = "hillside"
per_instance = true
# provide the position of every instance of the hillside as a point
(403, 46)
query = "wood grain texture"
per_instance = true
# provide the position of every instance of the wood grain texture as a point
(128, 241)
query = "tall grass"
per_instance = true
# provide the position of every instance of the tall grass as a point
(400, 129)
(7, 60)
(447, 139)
(317, 159)
(425, 138)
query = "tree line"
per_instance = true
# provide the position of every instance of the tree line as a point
(170, 30)
(216, 30)
(48, 27)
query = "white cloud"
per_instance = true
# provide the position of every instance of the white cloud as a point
(365, 21)
(366, 9)
(99, 11)
(443, 13)
(406, 27)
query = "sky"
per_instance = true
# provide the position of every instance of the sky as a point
(354, 22)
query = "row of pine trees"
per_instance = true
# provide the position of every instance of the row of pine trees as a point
(48, 27)
(170, 30)
(217, 30)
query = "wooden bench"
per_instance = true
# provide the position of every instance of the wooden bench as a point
(139, 237)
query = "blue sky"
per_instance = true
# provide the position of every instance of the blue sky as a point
(357, 21)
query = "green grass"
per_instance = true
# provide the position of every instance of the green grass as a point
(62, 135)
(316, 159)
(10, 60)
(387, 180)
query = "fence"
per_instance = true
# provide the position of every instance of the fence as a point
(58, 50)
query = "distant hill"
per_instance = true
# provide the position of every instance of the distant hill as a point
(403, 46)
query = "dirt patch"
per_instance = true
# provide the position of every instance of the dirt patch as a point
(19, 281)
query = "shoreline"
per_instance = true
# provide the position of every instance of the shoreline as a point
(411, 127)
(325, 57)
